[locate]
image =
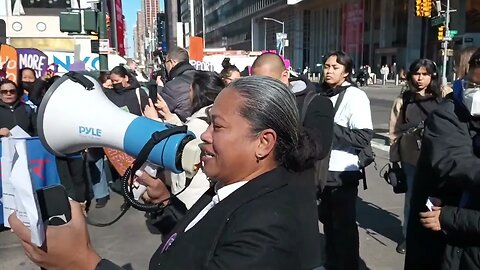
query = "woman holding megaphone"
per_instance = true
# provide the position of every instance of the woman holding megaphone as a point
(260, 214)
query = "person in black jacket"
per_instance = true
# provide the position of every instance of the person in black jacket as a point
(318, 121)
(14, 112)
(260, 215)
(448, 175)
(125, 93)
(180, 77)
(40, 86)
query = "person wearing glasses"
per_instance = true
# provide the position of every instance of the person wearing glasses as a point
(13, 111)
(177, 88)
(443, 230)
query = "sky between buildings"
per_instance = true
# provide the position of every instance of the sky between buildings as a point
(130, 8)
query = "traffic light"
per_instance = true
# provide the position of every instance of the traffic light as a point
(427, 8)
(419, 8)
(441, 33)
(107, 21)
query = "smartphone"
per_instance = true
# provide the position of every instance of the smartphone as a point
(54, 205)
(152, 93)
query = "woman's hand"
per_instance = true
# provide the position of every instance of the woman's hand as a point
(156, 189)
(5, 132)
(150, 110)
(66, 246)
(163, 109)
(431, 219)
(47, 75)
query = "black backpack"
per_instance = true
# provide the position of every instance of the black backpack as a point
(366, 156)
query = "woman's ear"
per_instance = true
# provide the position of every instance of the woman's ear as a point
(266, 143)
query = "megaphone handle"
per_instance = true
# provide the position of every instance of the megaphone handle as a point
(157, 137)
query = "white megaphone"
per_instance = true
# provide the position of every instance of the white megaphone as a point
(75, 114)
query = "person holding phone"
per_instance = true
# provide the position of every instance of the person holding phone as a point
(204, 89)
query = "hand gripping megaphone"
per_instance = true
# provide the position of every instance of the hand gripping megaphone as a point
(75, 114)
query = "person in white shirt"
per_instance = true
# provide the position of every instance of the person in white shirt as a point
(353, 131)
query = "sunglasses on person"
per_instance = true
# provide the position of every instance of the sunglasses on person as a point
(8, 91)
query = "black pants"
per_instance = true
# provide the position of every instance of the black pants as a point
(337, 212)
(72, 176)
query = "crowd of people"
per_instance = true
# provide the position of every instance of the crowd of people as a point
(280, 154)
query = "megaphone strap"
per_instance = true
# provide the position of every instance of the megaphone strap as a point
(157, 137)
(79, 78)
(127, 186)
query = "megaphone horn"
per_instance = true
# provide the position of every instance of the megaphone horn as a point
(75, 114)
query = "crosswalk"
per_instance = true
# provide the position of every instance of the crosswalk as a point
(380, 141)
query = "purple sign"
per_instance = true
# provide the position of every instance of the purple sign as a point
(34, 59)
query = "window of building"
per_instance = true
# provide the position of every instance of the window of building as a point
(376, 15)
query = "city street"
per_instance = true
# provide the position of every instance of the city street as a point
(130, 243)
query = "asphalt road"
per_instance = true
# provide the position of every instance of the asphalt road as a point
(130, 242)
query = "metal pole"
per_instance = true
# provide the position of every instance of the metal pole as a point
(283, 40)
(445, 44)
(113, 25)
(203, 22)
(192, 19)
(103, 58)
(265, 36)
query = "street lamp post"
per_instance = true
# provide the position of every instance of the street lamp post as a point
(446, 39)
(283, 31)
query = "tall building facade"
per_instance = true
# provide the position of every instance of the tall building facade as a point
(228, 23)
(162, 31)
(374, 32)
(140, 37)
(151, 9)
(172, 11)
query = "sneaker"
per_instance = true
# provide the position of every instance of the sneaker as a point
(102, 202)
(402, 247)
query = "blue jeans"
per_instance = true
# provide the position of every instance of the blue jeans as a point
(410, 174)
(99, 178)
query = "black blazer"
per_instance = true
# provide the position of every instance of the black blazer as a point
(269, 223)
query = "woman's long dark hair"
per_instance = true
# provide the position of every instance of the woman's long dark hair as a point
(122, 72)
(434, 86)
(345, 60)
(206, 86)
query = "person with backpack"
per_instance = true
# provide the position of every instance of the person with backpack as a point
(13, 111)
(409, 111)
(352, 133)
(203, 91)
